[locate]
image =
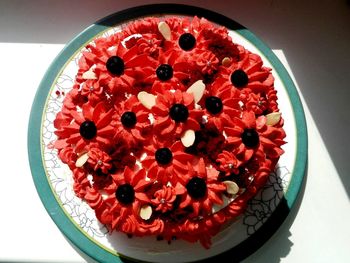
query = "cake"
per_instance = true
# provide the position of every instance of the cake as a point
(169, 129)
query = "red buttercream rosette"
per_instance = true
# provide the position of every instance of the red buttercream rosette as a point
(160, 138)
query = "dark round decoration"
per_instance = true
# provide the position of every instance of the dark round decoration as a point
(179, 113)
(213, 104)
(88, 130)
(115, 65)
(128, 119)
(163, 156)
(125, 194)
(196, 188)
(164, 72)
(250, 138)
(239, 78)
(187, 41)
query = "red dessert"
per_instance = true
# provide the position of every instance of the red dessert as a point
(169, 129)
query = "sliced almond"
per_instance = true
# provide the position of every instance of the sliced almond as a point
(273, 118)
(82, 160)
(146, 212)
(226, 61)
(164, 29)
(89, 75)
(197, 89)
(231, 187)
(148, 100)
(188, 138)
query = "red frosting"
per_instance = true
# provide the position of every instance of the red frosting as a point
(127, 154)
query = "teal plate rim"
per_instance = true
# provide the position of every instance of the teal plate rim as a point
(67, 227)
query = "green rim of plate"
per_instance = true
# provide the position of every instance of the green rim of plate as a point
(65, 224)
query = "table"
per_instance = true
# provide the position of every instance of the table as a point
(316, 229)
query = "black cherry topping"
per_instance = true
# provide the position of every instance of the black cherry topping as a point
(115, 65)
(164, 72)
(187, 41)
(196, 188)
(179, 112)
(250, 138)
(239, 78)
(125, 194)
(213, 104)
(163, 156)
(88, 130)
(128, 119)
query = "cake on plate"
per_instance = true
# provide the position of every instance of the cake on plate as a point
(169, 129)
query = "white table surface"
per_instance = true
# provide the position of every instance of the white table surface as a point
(312, 40)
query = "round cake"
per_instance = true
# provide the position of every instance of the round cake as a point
(169, 129)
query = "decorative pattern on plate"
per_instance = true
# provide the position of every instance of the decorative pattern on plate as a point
(261, 207)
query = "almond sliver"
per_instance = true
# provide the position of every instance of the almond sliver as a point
(164, 29)
(82, 160)
(89, 75)
(197, 89)
(188, 138)
(146, 212)
(148, 100)
(231, 187)
(273, 118)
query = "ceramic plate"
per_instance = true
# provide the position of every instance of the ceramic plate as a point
(78, 222)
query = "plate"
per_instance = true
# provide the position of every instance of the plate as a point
(265, 212)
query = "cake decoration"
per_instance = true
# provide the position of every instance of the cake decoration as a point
(169, 129)
(164, 72)
(165, 30)
(187, 41)
(239, 78)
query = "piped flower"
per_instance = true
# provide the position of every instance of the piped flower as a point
(243, 135)
(203, 189)
(174, 113)
(126, 197)
(220, 104)
(228, 162)
(249, 73)
(91, 125)
(166, 163)
(249, 135)
(93, 90)
(164, 199)
(148, 43)
(114, 67)
(99, 160)
(131, 122)
(170, 73)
